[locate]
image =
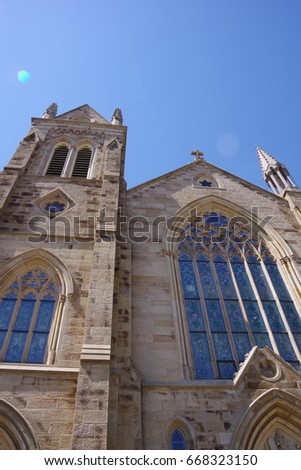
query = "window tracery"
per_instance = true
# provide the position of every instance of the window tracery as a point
(234, 296)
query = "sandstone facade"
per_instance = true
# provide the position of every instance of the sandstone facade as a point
(118, 371)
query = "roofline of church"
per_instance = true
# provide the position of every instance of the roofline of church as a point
(79, 107)
(191, 165)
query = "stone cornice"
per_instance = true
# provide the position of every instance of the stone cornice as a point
(86, 128)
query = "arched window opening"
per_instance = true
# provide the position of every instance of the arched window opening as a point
(58, 160)
(82, 162)
(178, 440)
(235, 298)
(26, 313)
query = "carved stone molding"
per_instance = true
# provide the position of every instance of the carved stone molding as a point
(57, 131)
(95, 352)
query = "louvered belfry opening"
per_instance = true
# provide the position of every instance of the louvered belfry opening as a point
(58, 161)
(82, 162)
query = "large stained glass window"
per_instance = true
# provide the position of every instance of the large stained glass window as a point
(235, 297)
(26, 312)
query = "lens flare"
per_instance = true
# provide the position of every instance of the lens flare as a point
(228, 145)
(23, 76)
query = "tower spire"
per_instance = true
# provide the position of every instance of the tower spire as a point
(274, 173)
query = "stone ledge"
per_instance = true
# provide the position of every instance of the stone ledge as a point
(95, 352)
(38, 368)
(191, 384)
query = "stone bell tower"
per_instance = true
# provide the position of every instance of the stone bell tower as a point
(59, 201)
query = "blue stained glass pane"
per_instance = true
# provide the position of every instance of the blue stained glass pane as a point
(33, 284)
(14, 285)
(252, 259)
(235, 316)
(297, 337)
(37, 348)
(2, 338)
(24, 315)
(226, 369)
(296, 365)
(183, 256)
(254, 316)
(188, 280)
(44, 317)
(215, 315)
(225, 281)
(16, 346)
(30, 296)
(262, 340)
(242, 345)
(178, 441)
(201, 356)
(292, 316)
(29, 274)
(278, 282)
(285, 348)
(50, 297)
(243, 282)
(273, 316)
(235, 258)
(10, 295)
(219, 258)
(260, 280)
(207, 280)
(195, 315)
(216, 220)
(42, 275)
(52, 287)
(202, 257)
(222, 347)
(6, 310)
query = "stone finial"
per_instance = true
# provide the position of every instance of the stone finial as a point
(50, 112)
(197, 155)
(275, 174)
(117, 118)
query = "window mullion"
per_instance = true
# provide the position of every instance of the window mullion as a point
(68, 163)
(10, 328)
(261, 308)
(224, 312)
(30, 328)
(241, 304)
(206, 319)
(282, 314)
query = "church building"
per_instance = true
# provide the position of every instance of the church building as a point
(166, 316)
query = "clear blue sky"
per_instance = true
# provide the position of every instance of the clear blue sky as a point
(217, 75)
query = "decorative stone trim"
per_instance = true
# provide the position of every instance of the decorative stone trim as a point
(37, 368)
(95, 352)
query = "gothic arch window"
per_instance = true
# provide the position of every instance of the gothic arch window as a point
(27, 309)
(58, 160)
(235, 298)
(82, 162)
(178, 440)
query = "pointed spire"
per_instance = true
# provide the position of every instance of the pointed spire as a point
(50, 112)
(117, 118)
(274, 173)
(265, 160)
